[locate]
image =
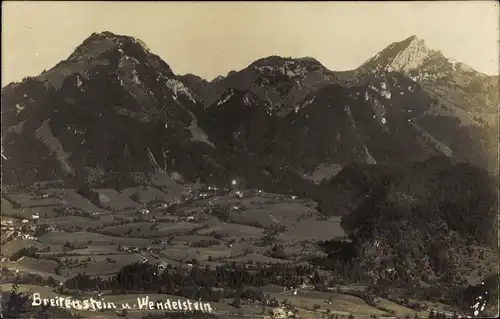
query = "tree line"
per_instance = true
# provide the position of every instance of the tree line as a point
(197, 283)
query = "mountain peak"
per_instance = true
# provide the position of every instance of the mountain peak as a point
(110, 51)
(402, 56)
(411, 39)
(116, 38)
(106, 41)
(103, 34)
(279, 61)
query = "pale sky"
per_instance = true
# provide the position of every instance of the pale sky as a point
(212, 38)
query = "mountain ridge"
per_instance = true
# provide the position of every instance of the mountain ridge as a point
(408, 41)
(118, 77)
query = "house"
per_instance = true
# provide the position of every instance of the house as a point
(162, 266)
(24, 221)
(124, 248)
(279, 313)
(164, 205)
(35, 216)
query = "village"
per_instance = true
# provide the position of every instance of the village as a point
(58, 235)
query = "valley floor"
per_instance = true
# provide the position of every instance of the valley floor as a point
(51, 237)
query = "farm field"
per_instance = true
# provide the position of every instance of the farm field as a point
(114, 201)
(339, 302)
(144, 195)
(96, 265)
(15, 245)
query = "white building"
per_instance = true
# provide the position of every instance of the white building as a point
(24, 221)
(239, 194)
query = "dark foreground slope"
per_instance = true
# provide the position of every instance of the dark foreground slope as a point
(423, 220)
(430, 228)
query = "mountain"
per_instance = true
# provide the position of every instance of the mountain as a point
(454, 82)
(386, 119)
(114, 108)
(281, 82)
